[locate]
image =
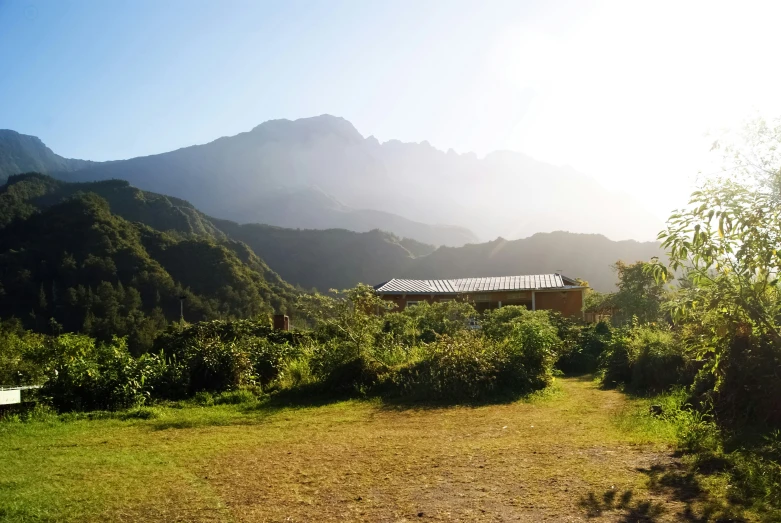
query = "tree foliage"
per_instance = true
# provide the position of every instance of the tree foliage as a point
(725, 243)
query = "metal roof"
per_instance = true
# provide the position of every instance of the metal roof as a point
(470, 285)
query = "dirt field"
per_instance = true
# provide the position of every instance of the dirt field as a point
(568, 455)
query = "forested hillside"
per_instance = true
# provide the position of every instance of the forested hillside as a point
(341, 259)
(338, 258)
(76, 266)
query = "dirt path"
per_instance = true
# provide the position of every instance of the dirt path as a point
(557, 459)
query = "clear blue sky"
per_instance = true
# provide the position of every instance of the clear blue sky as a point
(622, 91)
(108, 79)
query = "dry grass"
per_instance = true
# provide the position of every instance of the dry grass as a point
(559, 457)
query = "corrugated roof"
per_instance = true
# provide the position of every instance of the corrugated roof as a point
(468, 285)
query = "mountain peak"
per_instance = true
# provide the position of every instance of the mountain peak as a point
(307, 128)
(21, 153)
(10, 134)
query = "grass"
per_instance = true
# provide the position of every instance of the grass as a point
(573, 452)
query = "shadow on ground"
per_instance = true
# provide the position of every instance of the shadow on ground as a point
(673, 482)
(630, 509)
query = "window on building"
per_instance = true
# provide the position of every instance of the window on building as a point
(412, 303)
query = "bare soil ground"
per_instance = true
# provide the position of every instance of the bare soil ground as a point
(560, 457)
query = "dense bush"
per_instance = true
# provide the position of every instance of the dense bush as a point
(469, 366)
(498, 323)
(437, 319)
(178, 336)
(23, 355)
(531, 349)
(98, 376)
(222, 355)
(583, 347)
(427, 352)
(645, 358)
(464, 367)
(749, 383)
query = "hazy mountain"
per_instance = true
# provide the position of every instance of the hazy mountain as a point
(20, 153)
(322, 173)
(341, 259)
(586, 256)
(325, 259)
(338, 258)
(310, 208)
(229, 177)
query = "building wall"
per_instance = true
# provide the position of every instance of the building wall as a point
(569, 303)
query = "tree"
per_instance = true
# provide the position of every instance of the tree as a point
(351, 315)
(726, 243)
(639, 294)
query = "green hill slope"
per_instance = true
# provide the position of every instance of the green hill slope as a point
(76, 266)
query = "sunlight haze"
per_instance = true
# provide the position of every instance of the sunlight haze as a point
(623, 92)
(345, 261)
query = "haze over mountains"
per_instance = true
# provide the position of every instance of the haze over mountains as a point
(324, 259)
(320, 173)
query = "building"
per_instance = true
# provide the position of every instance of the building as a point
(536, 292)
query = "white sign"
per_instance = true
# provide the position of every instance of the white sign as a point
(9, 397)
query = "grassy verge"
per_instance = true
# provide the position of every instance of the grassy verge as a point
(721, 476)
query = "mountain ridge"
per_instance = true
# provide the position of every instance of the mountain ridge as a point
(339, 258)
(503, 193)
(25, 153)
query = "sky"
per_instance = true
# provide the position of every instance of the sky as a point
(630, 93)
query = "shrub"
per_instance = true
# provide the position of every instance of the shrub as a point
(177, 338)
(399, 329)
(470, 367)
(464, 367)
(221, 355)
(206, 364)
(584, 348)
(23, 355)
(644, 358)
(659, 362)
(748, 391)
(104, 376)
(296, 372)
(615, 362)
(438, 319)
(360, 375)
(266, 358)
(498, 323)
(756, 472)
(325, 357)
(531, 349)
